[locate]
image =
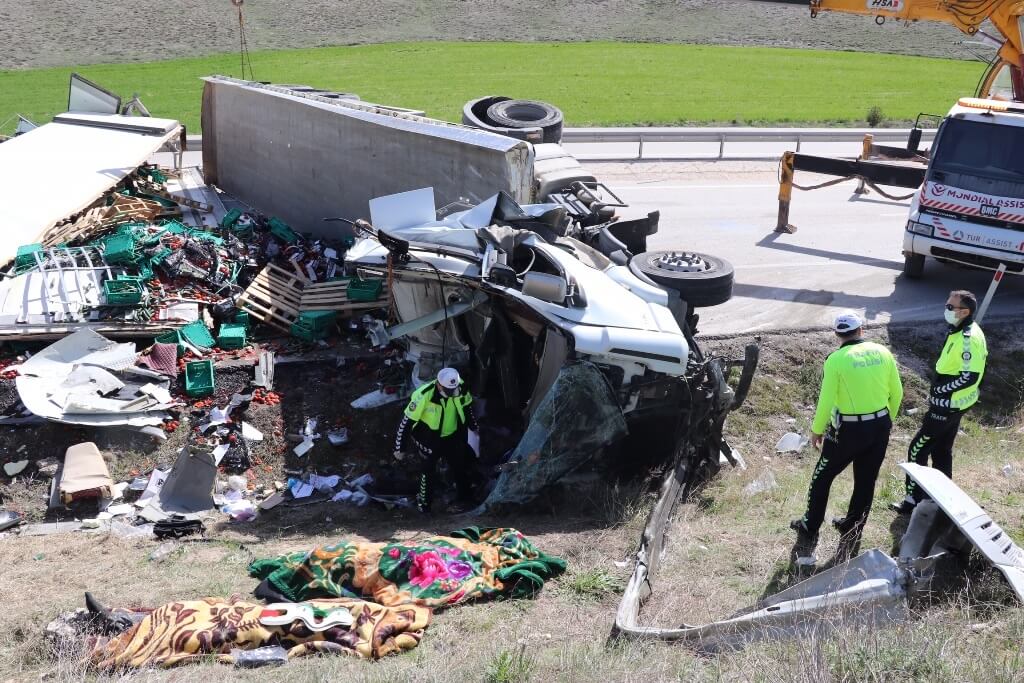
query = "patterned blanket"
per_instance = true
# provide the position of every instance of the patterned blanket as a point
(179, 632)
(438, 571)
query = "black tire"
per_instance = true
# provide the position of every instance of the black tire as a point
(708, 287)
(528, 114)
(913, 266)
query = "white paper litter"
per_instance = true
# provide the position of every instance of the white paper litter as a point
(219, 452)
(301, 489)
(303, 447)
(324, 483)
(791, 443)
(156, 482)
(251, 433)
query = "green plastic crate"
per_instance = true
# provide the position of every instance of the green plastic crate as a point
(231, 336)
(199, 378)
(26, 256)
(174, 227)
(172, 337)
(119, 248)
(307, 333)
(317, 320)
(242, 318)
(230, 218)
(196, 334)
(282, 231)
(122, 292)
(364, 290)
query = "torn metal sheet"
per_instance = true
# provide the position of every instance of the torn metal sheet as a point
(88, 379)
(61, 168)
(976, 524)
(188, 489)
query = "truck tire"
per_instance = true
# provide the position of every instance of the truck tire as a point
(913, 266)
(528, 114)
(700, 279)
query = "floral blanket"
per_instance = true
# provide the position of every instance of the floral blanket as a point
(180, 632)
(437, 571)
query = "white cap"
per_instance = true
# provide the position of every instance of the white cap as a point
(847, 321)
(448, 378)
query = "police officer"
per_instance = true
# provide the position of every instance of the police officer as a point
(959, 370)
(436, 420)
(860, 391)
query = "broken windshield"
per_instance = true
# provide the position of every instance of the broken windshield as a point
(981, 157)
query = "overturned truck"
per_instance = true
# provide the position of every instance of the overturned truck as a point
(517, 266)
(572, 354)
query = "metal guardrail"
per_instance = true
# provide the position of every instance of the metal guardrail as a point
(640, 136)
(725, 136)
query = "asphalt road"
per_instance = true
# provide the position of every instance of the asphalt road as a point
(845, 254)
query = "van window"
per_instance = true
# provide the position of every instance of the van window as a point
(984, 150)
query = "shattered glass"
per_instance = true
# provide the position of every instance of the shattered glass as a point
(578, 416)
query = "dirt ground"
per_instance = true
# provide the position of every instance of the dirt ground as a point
(39, 33)
(726, 548)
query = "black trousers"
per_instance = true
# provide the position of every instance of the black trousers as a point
(454, 451)
(935, 440)
(860, 443)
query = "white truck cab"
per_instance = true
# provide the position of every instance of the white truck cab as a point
(970, 209)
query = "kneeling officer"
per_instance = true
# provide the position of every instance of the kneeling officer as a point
(436, 419)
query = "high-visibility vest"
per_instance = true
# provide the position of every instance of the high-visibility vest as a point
(859, 378)
(964, 351)
(445, 416)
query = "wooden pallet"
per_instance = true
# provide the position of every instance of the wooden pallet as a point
(127, 209)
(273, 297)
(333, 296)
(66, 233)
(161, 191)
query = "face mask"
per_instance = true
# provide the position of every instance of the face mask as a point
(951, 317)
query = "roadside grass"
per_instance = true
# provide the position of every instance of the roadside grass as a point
(595, 84)
(725, 549)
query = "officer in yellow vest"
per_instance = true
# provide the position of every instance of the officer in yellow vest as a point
(436, 421)
(959, 370)
(860, 392)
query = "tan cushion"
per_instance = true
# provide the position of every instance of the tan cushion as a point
(85, 474)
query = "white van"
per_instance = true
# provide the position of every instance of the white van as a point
(970, 209)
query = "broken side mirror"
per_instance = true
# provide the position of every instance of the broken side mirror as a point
(502, 275)
(550, 288)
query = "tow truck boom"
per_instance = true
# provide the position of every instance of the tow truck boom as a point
(965, 15)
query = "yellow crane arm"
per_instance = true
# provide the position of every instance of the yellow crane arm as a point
(966, 15)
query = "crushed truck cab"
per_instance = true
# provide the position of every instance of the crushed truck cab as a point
(571, 353)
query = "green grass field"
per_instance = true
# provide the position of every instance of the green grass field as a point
(603, 84)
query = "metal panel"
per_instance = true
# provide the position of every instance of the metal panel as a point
(305, 157)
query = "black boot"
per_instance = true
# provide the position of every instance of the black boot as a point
(104, 620)
(801, 557)
(904, 507)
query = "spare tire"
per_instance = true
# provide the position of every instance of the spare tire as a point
(700, 279)
(528, 114)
